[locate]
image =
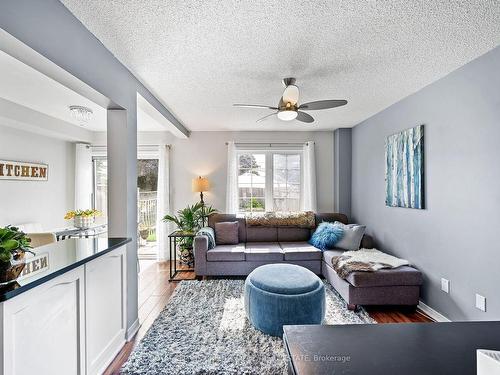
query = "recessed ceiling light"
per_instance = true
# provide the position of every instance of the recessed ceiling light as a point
(81, 114)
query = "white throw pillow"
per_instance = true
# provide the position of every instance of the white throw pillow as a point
(353, 233)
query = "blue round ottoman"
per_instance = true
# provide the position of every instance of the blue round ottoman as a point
(283, 294)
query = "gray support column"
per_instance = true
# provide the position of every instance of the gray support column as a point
(342, 162)
(122, 197)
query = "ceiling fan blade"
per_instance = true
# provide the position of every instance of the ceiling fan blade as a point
(266, 117)
(322, 104)
(304, 117)
(254, 106)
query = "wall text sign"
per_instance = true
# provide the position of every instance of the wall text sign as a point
(20, 170)
(38, 263)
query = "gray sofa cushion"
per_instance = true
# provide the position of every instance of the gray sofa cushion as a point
(367, 242)
(404, 275)
(217, 218)
(268, 251)
(227, 253)
(331, 218)
(262, 234)
(293, 234)
(300, 251)
(328, 254)
(226, 233)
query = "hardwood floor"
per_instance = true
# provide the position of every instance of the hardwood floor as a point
(155, 291)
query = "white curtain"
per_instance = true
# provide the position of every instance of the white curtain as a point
(163, 202)
(83, 177)
(308, 198)
(232, 179)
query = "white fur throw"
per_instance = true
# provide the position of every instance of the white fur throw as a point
(367, 260)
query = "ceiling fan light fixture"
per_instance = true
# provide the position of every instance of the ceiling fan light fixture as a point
(288, 107)
(291, 94)
(287, 115)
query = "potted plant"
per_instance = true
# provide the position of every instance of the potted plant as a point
(189, 220)
(82, 219)
(13, 246)
(143, 231)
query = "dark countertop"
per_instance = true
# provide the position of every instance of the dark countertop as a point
(380, 349)
(57, 258)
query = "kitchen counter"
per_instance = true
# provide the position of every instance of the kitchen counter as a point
(57, 258)
(66, 314)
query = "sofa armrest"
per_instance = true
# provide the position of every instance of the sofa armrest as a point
(200, 248)
(367, 242)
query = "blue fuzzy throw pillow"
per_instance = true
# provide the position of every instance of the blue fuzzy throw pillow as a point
(326, 236)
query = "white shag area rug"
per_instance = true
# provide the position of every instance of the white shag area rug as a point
(204, 330)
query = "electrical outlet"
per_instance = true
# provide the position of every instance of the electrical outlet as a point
(445, 285)
(480, 302)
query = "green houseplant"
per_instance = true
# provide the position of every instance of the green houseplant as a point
(13, 246)
(189, 220)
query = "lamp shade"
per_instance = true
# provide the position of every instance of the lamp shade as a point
(200, 184)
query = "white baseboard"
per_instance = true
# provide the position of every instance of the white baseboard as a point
(133, 330)
(433, 314)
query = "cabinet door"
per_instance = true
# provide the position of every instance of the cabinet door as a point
(105, 279)
(44, 328)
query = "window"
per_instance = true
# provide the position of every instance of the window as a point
(269, 181)
(252, 182)
(286, 182)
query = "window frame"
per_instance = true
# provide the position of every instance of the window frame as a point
(269, 169)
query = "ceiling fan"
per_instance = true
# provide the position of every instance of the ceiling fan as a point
(288, 107)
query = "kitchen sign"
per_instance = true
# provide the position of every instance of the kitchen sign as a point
(38, 263)
(19, 170)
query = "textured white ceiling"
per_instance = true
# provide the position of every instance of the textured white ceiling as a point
(200, 57)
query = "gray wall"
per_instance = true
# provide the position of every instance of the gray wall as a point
(456, 237)
(342, 180)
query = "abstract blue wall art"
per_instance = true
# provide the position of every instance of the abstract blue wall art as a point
(404, 169)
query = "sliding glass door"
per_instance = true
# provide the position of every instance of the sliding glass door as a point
(147, 200)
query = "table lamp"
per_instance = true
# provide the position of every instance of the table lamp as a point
(199, 185)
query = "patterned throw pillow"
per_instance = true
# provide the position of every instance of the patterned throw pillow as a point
(326, 236)
(209, 233)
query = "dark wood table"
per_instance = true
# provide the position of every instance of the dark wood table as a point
(386, 349)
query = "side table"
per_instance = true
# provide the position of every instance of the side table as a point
(175, 237)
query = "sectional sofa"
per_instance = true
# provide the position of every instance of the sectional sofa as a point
(263, 245)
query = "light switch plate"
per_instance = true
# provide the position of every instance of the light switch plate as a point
(445, 285)
(480, 302)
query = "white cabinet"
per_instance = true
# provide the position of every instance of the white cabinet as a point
(72, 324)
(44, 328)
(105, 279)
